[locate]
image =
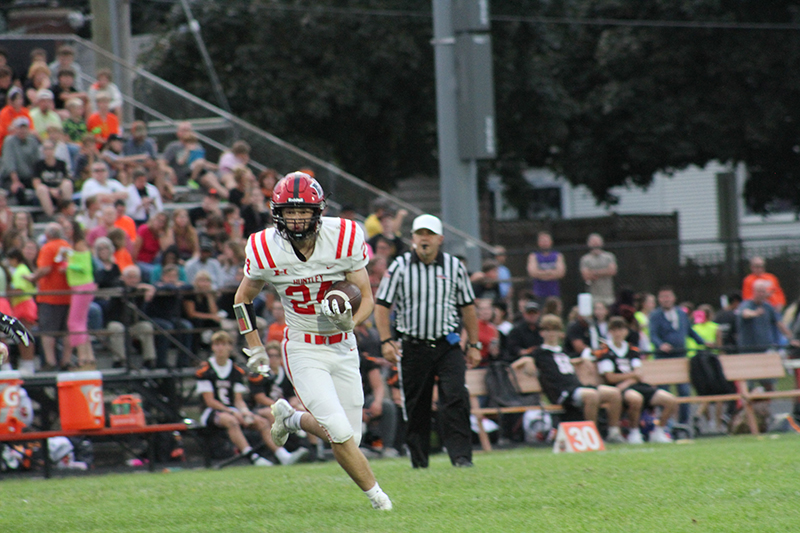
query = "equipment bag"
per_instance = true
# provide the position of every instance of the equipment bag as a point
(502, 391)
(707, 376)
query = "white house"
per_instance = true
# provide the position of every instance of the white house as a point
(708, 202)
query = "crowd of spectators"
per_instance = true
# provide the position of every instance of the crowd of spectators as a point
(101, 191)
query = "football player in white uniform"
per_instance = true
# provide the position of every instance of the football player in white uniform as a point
(301, 258)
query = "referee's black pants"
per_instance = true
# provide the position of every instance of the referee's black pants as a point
(421, 364)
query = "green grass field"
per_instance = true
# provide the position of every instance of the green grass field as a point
(727, 484)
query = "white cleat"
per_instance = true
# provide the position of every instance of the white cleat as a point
(614, 436)
(660, 436)
(281, 410)
(257, 460)
(381, 502)
(635, 437)
(295, 457)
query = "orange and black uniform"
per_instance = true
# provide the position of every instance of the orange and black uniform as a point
(223, 381)
(623, 360)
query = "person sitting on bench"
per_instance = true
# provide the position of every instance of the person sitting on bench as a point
(561, 385)
(619, 364)
(221, 384)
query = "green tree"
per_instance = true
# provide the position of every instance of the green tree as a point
(602, 105)
(353, 88)
(630, 101)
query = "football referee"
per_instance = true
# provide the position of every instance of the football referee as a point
(428, 288)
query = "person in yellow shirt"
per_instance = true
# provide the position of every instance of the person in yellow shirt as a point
(645, 304)
(381, 208)
(712, 334)
(23, 306)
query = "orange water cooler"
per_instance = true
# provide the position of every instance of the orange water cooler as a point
(80, 400)
(10, 416)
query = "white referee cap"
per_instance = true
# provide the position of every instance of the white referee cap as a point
(428, 222)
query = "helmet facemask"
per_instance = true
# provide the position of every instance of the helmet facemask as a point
(301, 191)
(294, 235)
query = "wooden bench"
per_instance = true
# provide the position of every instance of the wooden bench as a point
(738, 368)
(528, 384)
(42, 436)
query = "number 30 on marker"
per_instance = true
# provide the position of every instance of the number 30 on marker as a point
(578, 437)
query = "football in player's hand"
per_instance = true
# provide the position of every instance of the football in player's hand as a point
(341, 292)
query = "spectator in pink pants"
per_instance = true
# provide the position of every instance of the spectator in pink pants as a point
(80, 278)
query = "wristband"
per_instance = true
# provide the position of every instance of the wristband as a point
(386, 340)
(245, 317)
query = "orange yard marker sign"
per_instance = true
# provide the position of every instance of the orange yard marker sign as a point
(578, 437)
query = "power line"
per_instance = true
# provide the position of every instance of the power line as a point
(636, 23)
(644, 23)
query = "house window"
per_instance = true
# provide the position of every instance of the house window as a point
(543, 202)
(542, 198)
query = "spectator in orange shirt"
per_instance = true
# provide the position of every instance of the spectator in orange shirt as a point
(122, 256)
(758, 271)
(51, 276)
(123, 221)
(12, 110)
(275, 331)
(103, 123)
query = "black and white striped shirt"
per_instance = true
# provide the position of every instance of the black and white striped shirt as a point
(426, 297)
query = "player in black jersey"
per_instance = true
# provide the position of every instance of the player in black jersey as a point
(265, 391)
(221, 384)
(619, 364)
(561, 385)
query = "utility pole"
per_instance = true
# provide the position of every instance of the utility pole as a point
(465, 112)
(111, 30)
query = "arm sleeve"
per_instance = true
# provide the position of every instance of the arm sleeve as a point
(159, 202)
(47, 256)
(584, 262)
(253, 263)
(605, 366)
(747, 287)
(9, 157)
(358, 254)
(391, 286)
(655, 337)
(466, 295)
(134, 204)
(204, 386)
(513, 344)
(116, 96)
(88, 190)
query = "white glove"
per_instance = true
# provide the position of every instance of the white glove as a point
(587, 354)
(341, 318)
(257, 360)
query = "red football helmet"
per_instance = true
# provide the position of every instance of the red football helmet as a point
(297, 189)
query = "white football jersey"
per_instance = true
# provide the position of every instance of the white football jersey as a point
(340, 248)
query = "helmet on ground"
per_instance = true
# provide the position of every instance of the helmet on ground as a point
(297, 190)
